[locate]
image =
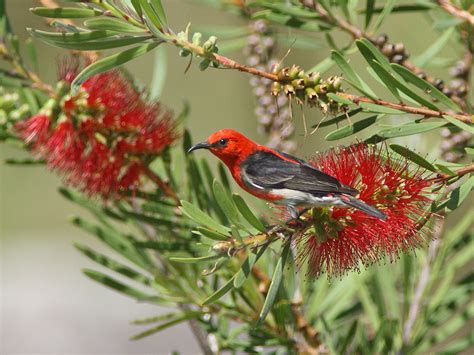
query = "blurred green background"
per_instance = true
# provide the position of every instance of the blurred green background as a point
(47, 305)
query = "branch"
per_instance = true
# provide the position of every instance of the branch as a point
(394, 52)
(447, 6)
(232, 64)
(425, 112)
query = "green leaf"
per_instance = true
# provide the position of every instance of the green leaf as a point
(372, 53)
(115, 285)
(162, 246)
(225, 202)
(339, 118)
(409, 129)
(245, 269)
(160, 68)
(247, 213)
(160, 11)
(112, 264)
(402, 87)
(425, 86)
(137, 7)
(111, 24)
(151, 16)
(65, 12)
(199, 259)
(70, 37)
(369, 11)
(349, 337)
(186, 316)
(115, 240)
(351, 129)
(387, 9)
(340, 99)
(200, 217)
(25, 161)
(460, 124)
(412, 156)
(369, 107)
(248, 264)
(220, 292)
(388, 80)
(274, 285)
(208, 233)
(32, 54)
(458, 195)
(108, 43)
(111, 62)
(423, 59)
(351, 76)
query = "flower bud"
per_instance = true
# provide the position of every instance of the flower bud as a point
(197, 36)
(210, 45)
(276, 88)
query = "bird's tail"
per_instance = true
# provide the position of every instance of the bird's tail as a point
(360, 205)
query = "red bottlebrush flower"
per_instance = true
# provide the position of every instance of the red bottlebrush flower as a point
(99, 139)
(341, 239)
(34, 130)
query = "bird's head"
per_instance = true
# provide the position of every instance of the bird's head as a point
(228, 145)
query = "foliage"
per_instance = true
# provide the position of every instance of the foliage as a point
(184, 240)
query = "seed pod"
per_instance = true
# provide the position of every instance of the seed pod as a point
(289, 90)
(399, 48)
(314, 78)
(283, 74)
(276, 88)
(337, 83)
(293, 72)
(311, 94)
(298, 84)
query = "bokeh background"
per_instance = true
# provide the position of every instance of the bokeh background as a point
(46, 304)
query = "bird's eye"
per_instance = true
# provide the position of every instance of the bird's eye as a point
(222, 142)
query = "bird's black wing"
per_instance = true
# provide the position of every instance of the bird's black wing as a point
(269, 171)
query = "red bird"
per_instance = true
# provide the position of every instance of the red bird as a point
(280, 178)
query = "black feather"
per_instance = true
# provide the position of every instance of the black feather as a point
(269, 171)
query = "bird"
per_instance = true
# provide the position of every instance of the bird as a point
(279, 177)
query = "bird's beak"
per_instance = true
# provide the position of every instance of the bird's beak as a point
(202, 145)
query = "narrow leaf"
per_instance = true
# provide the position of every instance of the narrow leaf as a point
(200, 217)
(115, 285)
(351, 75)
(425, 86)
(247, 213)
(195, 260)
(274, 285)
(225, 202)
(351, 129)
(111, 62)
(112, 264)
(409, 129)
(220, 292)
(208, 233)
(462, 125)
(187, 316)
(423, 59)
(111, 24)
(387, 9)
(65, 12)
(412, 156)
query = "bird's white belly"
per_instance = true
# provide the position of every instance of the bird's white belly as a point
(300, 198)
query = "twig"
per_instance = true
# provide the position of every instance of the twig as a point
(447, 6)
